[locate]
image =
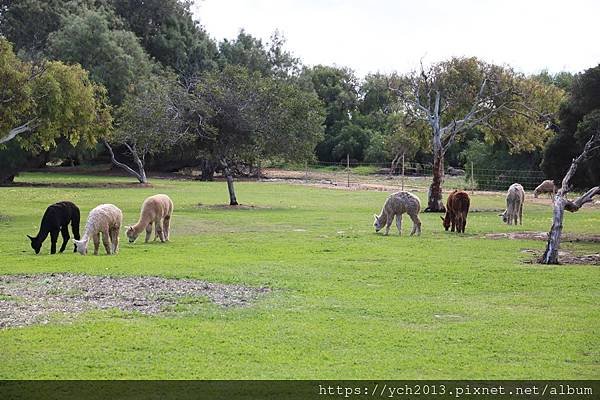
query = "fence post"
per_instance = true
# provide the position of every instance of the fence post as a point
(402, 171)
(348, 168)
(259, 170)
(472, 179)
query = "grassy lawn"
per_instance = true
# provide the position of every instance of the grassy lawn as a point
(346, 303)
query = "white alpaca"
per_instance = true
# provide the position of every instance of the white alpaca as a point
(547, 186)
(105, 219)
(156, 210)
(514, 204)
(396, 205)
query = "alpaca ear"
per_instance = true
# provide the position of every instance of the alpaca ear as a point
(442, 218)
(500, 215)
(375, 216)
(30, 238)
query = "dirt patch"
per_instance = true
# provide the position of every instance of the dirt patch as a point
(34, 299)
(228, 207)
(566, 237)
(565, 257)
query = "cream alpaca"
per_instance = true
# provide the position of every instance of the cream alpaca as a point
(514, 204)
(547, 186)
(395, 205)
(156, 210)
(105, 219)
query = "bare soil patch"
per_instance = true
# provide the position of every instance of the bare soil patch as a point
(565, 257)
(566, 237)
(34, 299)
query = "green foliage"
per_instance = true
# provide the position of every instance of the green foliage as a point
(114, 57)
(56, 100)
(169, 34)
(578, 119)
(27, 23)
(269, 59)
(251, 116)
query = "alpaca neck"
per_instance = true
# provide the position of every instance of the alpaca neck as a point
(141, 224)
(42, 234)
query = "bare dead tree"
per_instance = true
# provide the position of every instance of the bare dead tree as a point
(561, 203)
(140, 174)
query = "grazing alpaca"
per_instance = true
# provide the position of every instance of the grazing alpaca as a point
(547, 186)
(514, 204)
(457, 209)
(105, 219)
(395, 205)
(56, 219)
(156, 210)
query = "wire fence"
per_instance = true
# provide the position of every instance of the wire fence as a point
(405, 176)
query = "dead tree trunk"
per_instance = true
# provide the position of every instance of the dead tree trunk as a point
(229, 176)
(434, 200)
(561, 203)
(140, 174)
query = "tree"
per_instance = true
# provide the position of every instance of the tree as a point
(337, 89)
(149, 122)
(42, 104)
(168, 33)
(570, 140)
(561, 203)
(455, 96)
(113, 56)
(27, 23)
(252, 116)
(270, 59)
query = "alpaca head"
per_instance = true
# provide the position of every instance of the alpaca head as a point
(131, 235)
(504, 216)
(446, 221)
(81, 246)
(378, 223)
(36, 244)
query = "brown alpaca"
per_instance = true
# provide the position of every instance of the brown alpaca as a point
(156, 210)
(547, 186)
(457, 208)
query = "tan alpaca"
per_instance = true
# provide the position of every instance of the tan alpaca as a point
(156, 210)
(396, 205)
(105, 219)
(547, 186)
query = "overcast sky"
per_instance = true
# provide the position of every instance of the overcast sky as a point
(385, 35)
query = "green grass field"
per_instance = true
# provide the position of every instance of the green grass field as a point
(346, 303)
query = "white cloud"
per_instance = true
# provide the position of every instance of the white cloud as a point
(380, 35)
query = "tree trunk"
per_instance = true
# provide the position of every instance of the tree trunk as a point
(141, 175)
(434, 200)
(232, 198)
(208, 170)
(551, 254)
(561, 203)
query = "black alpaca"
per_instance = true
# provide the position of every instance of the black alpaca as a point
(56, 219)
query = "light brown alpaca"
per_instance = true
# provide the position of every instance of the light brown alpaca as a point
(156, 210)
(396, 205)
(547, 186)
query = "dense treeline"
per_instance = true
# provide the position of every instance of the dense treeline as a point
(142, 83)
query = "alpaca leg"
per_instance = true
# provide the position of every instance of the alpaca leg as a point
(75, 230)
(148, 232)
(388, 224)
(96, 238)
(399, 223)
(416, 225)
(167, 227)
(64, 231)
(106, 241)
(114, 238)
(520, 214)
(159, 230)
(53, 239)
